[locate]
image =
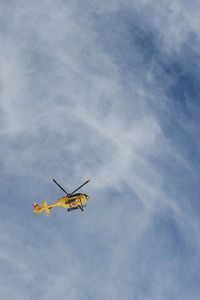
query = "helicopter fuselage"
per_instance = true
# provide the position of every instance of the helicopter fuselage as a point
(70, 202)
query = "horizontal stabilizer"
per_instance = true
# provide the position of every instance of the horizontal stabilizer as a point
(46, 208)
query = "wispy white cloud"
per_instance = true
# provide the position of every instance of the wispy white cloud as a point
(87, 90)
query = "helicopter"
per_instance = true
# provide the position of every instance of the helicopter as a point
(71, 201)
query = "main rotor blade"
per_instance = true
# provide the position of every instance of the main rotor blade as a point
(59, 186)
(80, 187)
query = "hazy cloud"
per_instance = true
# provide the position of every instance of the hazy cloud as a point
(108, 92)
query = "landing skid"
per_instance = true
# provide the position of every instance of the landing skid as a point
(74, 208)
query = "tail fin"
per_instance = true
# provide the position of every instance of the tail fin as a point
(37, 208)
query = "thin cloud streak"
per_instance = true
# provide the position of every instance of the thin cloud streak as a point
(85, 94)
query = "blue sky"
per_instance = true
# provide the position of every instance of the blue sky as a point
(107, 91)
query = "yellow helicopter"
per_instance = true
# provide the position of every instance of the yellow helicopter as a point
(71, 201)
